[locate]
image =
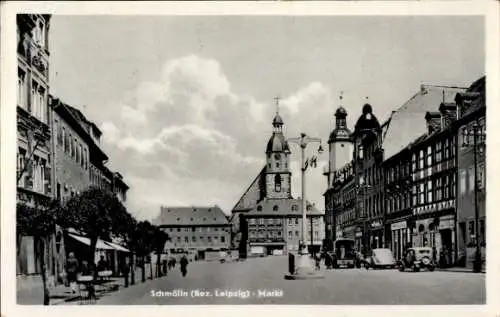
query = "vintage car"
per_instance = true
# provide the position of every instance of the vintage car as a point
(417, 259)
(380, 259)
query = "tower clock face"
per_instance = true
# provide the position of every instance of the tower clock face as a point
(277, 156)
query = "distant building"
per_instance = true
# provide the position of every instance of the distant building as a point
(267, 219)
(198, 229)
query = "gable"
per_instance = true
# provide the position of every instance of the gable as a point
(252, 195)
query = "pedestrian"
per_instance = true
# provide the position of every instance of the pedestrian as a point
(71, 271)
(102, 265)
(126, 271)
(184, 263)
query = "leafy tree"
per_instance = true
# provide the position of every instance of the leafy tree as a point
(159, 239)
(96, 212)
(39, 222)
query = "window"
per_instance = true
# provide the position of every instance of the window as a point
(186, 239)
(446, 187)
(178, 239)
(429, 156)
(74, 145)
(438, 152)
(296, 233)
(222, 239)
(178, 229)
(414, 162)
(463, 181)
(261, 221)
(252, 221)
(472, 228)
(482, 236)
(21, 88)
(465, 137)
(194, 239)
(81, 155)
(277, 164)
(421, 198)
(34, 100)
(429, 191)
(471, 178)
(78, 149)
(294, 208)
(296, 221)
(421, 160)
(66, 141)
(59, 133)
(209, 239)
(360, 152)
(277, 183)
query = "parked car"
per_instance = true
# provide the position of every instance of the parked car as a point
(380, 259)
(417, 259)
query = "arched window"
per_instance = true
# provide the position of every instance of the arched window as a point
(277, 183)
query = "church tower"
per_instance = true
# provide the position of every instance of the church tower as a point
(340, 144)
(278, 175)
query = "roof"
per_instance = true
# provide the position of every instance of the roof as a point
(191, 216)
(277, 120)
(284, 208)
(408, 122)
(367, 121)
(252, 194)
(277, 143)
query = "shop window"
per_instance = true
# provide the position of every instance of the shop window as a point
(471, 178)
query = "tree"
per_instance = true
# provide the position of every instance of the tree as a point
(142, 242)
(128, 235)
(159, 239)
(38, 222)
(96, 212)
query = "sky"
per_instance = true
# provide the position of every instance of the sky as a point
(185, 103)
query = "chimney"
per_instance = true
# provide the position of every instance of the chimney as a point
(433, 120)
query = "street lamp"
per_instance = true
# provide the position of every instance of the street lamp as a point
(303, 141)
(477, 266)
(305, 267)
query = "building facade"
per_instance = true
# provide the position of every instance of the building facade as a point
(369, 154)
(34, 160)
(266, 218)
(471, 168)
(340, 151)
(197, 229)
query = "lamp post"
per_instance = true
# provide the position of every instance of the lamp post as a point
(304, 268)
(477, 266)
(303, 141)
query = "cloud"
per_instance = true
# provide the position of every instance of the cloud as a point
(186, 138)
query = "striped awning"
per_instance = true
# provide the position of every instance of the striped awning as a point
(101, 245)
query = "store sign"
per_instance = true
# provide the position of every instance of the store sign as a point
(446, 224)
(398, 225)
(376, 224)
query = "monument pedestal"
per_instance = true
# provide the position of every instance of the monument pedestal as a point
(305, 269)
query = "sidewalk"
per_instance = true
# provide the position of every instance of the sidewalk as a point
(459, 269)
(30, 290)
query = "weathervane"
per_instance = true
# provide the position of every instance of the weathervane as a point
(277, 101)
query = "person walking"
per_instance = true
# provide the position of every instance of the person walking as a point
(184, 263)
(71, 271)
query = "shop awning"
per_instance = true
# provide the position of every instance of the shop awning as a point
(101, 245)
(117, 247)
